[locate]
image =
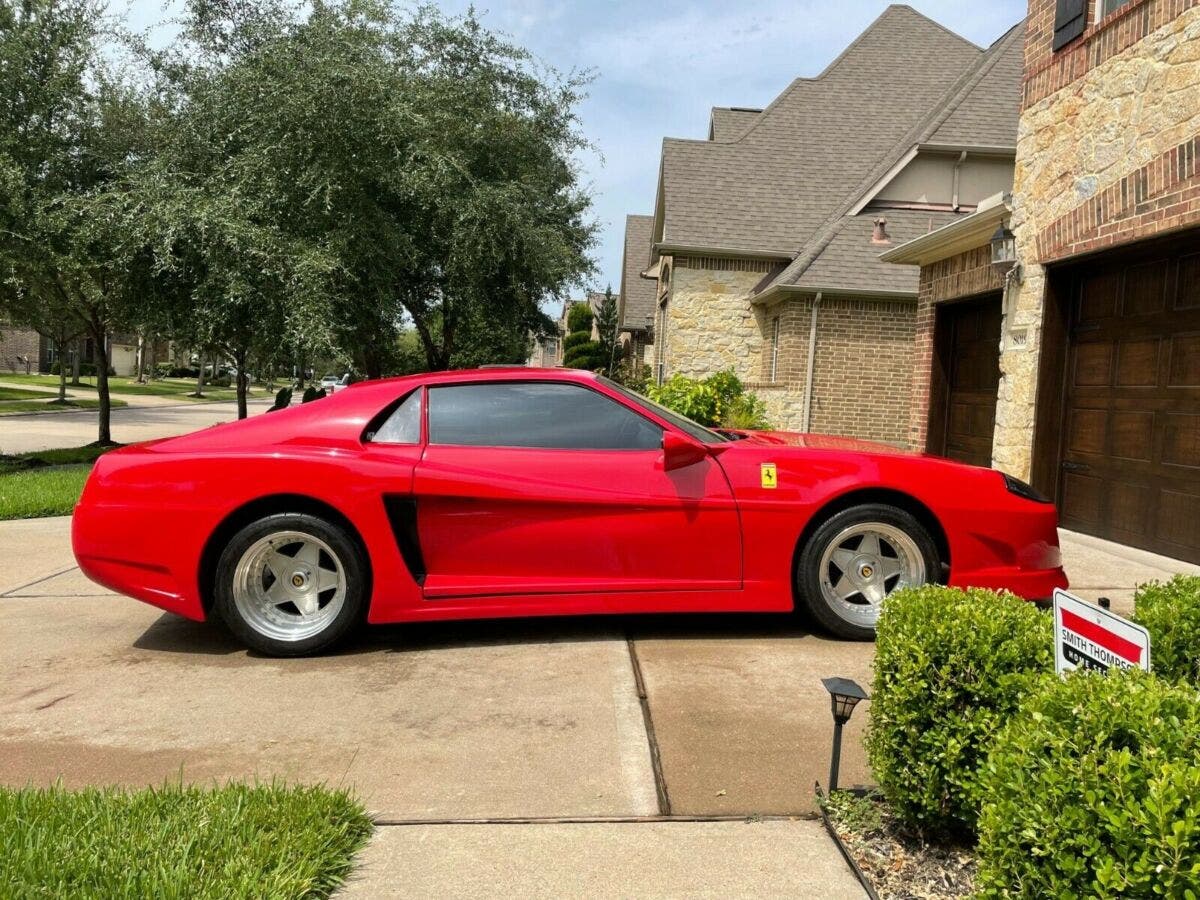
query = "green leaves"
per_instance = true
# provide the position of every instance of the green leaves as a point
(720, 400)
(950, 668)
(1089, 790)
(1171, 613)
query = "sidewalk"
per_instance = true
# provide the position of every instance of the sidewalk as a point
(792, 858)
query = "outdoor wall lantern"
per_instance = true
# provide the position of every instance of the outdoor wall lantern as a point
(1004, 248)
(844, 695)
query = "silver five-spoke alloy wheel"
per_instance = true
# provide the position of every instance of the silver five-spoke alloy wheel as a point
(289, 586)
(864, 563)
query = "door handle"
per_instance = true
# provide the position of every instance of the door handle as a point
(1075, 467)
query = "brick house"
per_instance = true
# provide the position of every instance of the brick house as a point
(22, 350)
(765, 238)
(1094, 333)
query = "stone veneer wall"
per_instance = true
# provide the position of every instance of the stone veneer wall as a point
(711, 324)
(1108, 152)
(954, 278)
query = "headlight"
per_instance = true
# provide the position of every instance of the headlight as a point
(1021, 489)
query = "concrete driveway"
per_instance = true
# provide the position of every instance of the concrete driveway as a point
(447, 720)
(47, 431)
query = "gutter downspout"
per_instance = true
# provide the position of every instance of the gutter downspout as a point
(812, 360)
(957, 176)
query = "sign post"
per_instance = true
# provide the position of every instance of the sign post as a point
(1088, 637)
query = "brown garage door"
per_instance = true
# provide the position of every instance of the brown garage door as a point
(963, 406)
(1131, 440)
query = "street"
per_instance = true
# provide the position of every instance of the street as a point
(136, 422)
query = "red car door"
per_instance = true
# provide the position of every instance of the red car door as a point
(552, 487)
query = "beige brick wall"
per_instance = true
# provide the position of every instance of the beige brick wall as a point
(1107, 154)
(863, 373)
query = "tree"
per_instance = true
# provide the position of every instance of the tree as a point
(414, 171)
(579, 350)
(606, 327)
(71, 130)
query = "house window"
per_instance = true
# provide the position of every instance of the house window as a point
(1104, 7)
(774, 348)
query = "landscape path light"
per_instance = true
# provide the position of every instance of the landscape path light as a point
(844, 695)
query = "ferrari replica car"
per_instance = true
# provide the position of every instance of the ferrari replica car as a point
(527, 492)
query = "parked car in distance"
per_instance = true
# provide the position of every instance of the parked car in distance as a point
(525, 492)
(330, 382)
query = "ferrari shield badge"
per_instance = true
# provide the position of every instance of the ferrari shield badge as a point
(769, 478)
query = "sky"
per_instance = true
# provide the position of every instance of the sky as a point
(660, 67)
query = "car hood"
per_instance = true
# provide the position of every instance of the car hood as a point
(821, 442)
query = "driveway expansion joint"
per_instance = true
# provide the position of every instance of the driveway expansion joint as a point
(660, 780)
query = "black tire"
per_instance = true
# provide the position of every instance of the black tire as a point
(346, 552)
(808, 575)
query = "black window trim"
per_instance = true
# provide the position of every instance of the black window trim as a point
(620, 401)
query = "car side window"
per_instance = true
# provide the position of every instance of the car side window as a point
(403, 426)
(544, 415)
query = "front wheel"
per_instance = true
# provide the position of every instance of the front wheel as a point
(291, 584)
(857, 558)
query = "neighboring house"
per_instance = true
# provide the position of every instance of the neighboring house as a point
(638, 292)
(22, 350)
(766, 237)
(1095, 346)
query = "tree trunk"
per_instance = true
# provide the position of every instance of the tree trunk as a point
(199, 375)
(102, 395)
(152, 368)
(76, 358)
(239, 360)
(62, 372)
(141, 359)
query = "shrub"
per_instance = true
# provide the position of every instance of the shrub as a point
(580, 318)
(1171, 613)
(86, 369)
(950, 668)
(720, 400)
(1090, 792)
(575, 339)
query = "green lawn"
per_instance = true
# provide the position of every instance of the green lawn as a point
(163, 387)
(19, 400)
(233, 841)
(47, 483)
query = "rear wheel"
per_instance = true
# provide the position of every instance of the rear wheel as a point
(857, 558)
(291, 584)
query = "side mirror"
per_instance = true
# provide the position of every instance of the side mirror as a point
(680, 451)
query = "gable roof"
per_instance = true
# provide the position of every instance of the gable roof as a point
(784, 176)
(787, 181)
(637, 293)
(990, 82)
(726, 123)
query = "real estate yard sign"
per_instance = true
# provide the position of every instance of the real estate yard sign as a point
(1088, 637)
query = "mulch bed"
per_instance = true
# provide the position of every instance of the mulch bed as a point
(898, 864)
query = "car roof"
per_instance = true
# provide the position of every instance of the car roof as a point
(496, 373)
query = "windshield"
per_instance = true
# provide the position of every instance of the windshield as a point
(683, 423)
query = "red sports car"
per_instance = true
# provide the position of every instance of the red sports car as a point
(523, 492)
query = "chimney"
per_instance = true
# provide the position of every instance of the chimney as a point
(880, 235)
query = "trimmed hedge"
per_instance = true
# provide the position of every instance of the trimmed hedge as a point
(951, 667)
(1171, 613)
(1091, 792)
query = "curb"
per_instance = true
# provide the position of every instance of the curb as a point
(845, 851)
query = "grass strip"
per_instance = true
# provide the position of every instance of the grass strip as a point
(179, 841)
